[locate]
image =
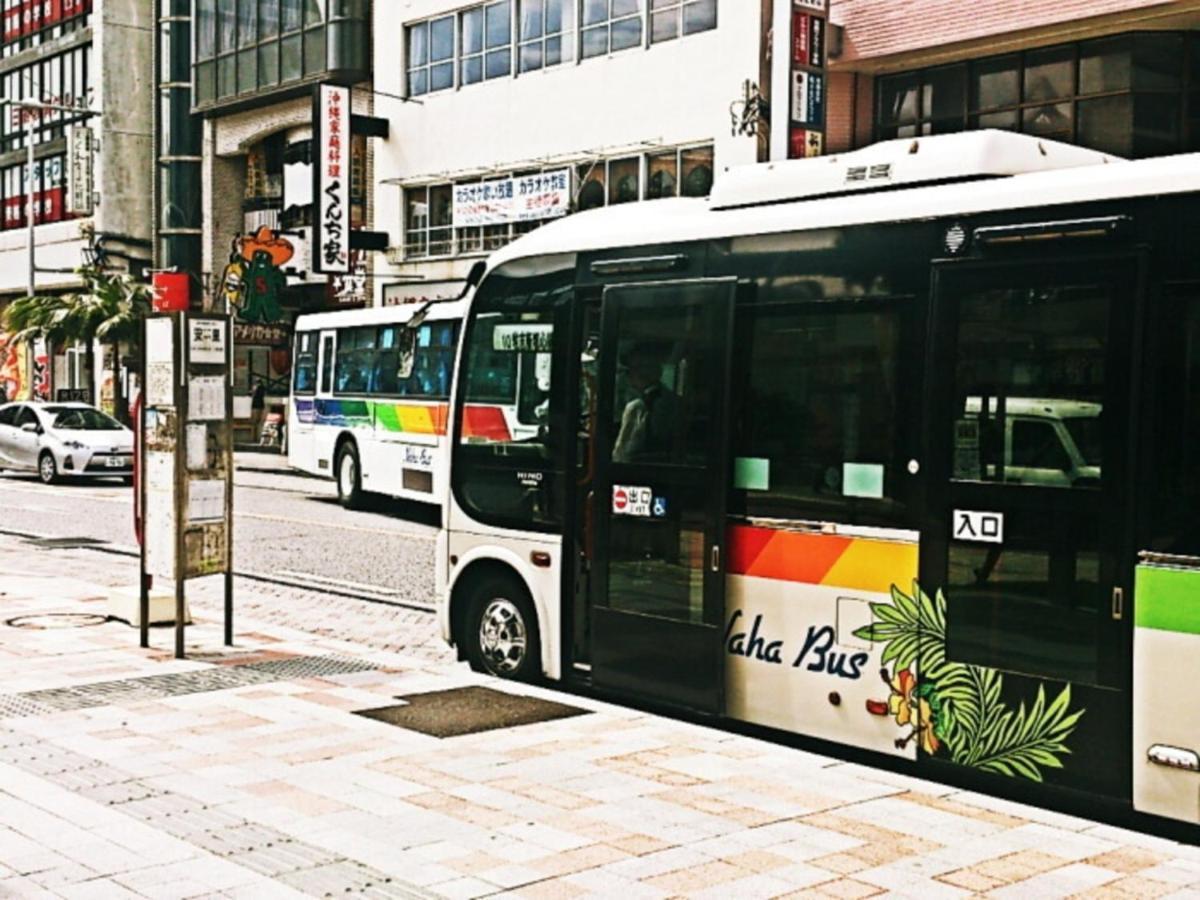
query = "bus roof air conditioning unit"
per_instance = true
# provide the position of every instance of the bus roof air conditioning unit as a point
(905, 162)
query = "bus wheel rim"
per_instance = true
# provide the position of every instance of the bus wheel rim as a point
(347, 473)
(502, 636)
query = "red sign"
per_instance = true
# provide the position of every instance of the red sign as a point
(620, 499)
(800, 36)
(803, 143)
(173, 292)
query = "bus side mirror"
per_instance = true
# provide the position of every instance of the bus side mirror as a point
(406, 351)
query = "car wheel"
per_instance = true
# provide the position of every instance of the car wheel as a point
(47, 468)
(349, 477)
(502, 631)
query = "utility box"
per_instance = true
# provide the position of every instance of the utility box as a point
(1166, 671)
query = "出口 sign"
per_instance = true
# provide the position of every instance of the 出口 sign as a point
(331, 180)
(522, 198)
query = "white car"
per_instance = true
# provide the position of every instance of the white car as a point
(60, 440)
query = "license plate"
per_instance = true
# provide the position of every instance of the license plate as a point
(114, 462)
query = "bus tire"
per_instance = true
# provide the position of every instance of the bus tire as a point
(349, 476)
(501, 632)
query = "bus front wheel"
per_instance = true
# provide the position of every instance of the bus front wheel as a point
(502, 632)
(349, 477)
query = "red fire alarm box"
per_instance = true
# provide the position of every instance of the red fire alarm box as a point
(172, 292)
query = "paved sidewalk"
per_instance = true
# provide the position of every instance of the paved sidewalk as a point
(244, 773)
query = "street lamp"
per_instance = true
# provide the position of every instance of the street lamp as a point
(30, 217)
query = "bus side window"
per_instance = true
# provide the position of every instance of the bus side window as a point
(819, 409)
(1174, 517)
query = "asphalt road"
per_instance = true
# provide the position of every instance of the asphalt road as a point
(287, 529)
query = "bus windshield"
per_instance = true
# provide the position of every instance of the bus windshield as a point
(512, 425)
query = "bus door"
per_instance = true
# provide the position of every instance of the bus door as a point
(1025, 551)
(660, 491)
(322, 442)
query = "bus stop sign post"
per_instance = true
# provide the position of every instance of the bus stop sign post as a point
(186, 459)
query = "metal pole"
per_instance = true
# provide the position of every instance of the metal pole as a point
(31, 282)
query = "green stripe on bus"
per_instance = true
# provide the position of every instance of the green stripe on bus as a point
(386, 417)
(1168, 599)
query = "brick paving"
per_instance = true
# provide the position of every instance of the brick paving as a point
(223, 784)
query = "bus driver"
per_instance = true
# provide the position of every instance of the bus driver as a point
(646, 421)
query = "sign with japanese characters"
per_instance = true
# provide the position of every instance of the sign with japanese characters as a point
(523, 198)
(806, 131)
(331, 180)
(80, 180)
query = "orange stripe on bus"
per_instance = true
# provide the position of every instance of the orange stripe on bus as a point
(824, 559)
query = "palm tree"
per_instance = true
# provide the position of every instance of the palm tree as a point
(109, 308)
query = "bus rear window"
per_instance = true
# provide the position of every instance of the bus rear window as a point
(304, 373)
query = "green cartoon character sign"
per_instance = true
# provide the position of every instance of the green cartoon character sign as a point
(254, 278)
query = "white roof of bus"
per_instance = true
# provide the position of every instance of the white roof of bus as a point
(683, 220)
(381, 315)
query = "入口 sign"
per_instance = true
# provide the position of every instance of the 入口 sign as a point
(331, 180)
(983, 527)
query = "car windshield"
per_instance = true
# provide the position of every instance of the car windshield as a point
(1085, 431)
(84, 420)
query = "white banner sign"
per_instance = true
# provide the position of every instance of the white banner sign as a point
(331, 180)
(524, 198)
(80, 180)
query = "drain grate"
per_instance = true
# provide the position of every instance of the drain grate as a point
(469, 710)
(176, 684)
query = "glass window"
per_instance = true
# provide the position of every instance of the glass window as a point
(247, 22)
(1031, 356)
(290, 14)
(696, 167)
(610, 25)
(944, 93)
(416, 231)
(623, 176)
(471, 45)
(304, 371)
(327, 364)
(441, 213)
(1174, 526)
(546, 33)
(355, 361)
(441, 53)
(268, 18)
(671, 18)
(662, 175)
(899, 98)
(1049, 74)
(314, 12)
(995, 83)
(206, 29)
(1104, 66)
(497, 27)
(418, 59)
(508, 466)
(1106, 124)
(591, 186)
(820, 421)
(226, 25)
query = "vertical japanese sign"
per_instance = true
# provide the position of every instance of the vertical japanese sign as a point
(80, 178)
(806, 131)
(331, 180)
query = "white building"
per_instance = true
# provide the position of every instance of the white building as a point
(632, 98)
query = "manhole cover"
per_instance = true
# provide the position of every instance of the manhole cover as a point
(51, 621)
(468, 710)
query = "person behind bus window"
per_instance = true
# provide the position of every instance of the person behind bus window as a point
(647, 420)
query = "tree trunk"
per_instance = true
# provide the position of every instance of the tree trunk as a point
(120, 410)
(89, 363)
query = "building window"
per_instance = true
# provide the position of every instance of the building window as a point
(671, 18)
(1127, 95)
(497, 44)
(429, 209)
(246, 46)
(547, 31)
(431, 56)
(428, 230)
(27, 24)
(610, 25)
(49, 193)
(63, 78)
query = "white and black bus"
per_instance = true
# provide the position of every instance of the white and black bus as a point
(898, 449)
